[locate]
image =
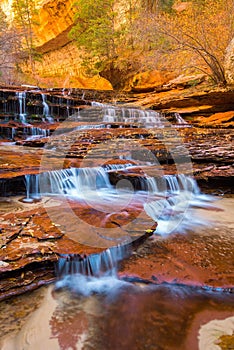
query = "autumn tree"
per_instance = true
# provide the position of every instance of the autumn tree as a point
(101, 31)
(119, 37)
(157, 5)
(25, 13)
(9, 48)
(190, 37)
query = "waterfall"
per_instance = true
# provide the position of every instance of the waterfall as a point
(68, 108)
(93, 265)
(32, 188)
(111, 114)
(96, 273)
(177, 183)
(28, 198)
(46, 109)
(111, 167)
(35, 192)
(36, 132)
(177, 192)
(22, 106)
(13, 132)
(74, 181)
(180, 120)
(174, 210)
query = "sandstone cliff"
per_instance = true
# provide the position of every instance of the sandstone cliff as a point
(60, 65)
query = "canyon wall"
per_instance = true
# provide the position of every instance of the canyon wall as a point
(60, 61)
(55, 17)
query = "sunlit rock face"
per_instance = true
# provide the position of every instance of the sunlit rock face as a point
(61, 60)
(61, 64)
(61, 67)
(55, 17)
(148, 81)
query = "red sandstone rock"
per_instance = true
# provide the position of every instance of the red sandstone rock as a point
(201, 260)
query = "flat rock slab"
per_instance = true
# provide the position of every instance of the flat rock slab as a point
(17, 161)
(202, 258)
(192, 260)
(33, 240)
(102, 146)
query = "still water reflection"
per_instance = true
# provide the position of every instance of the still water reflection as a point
(125, 317)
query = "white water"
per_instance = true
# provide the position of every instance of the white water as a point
(147, 118)
(36, 133)
(181, 120)
(32, 188)
(96, 273)
(168, 200)
(28, 198)
(22, 106)
(46, 109)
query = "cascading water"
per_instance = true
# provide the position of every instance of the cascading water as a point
(170, 198)
(168, 194)
(148, 119)
(22, 106)
(32, 188)
(36, 132)
(180, 121)
(115, 319)
(75, 181)
(13, 132)
(167, 199)
(28, 198)
(168, 205)
(46, 109)
(96, 273)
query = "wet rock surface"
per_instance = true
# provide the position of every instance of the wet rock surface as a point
(202, 257)
(31, 243)
(89, 148)
(191, 260)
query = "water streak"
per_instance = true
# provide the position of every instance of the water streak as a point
(146, 118)
(168, 200)
(46, 109)
(180, 121)
(96, 273)
(28, 198)
(21, 95)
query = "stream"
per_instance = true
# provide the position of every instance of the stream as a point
(107, 177)
(113, 312)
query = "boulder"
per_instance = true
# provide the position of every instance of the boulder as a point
(184, 81)
(149, 81)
